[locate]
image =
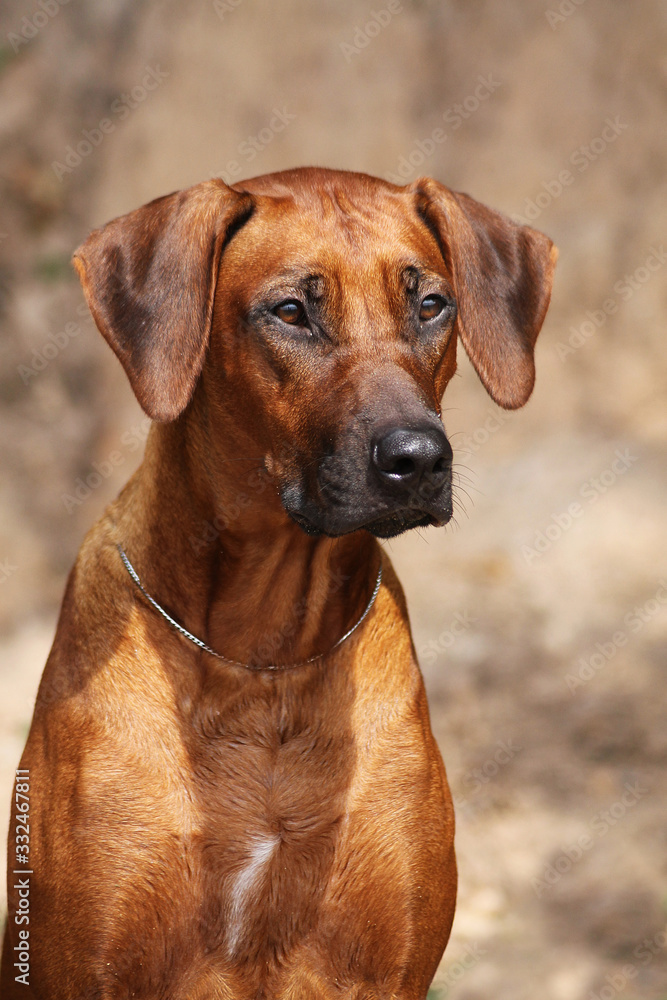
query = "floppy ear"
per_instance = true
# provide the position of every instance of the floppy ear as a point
(502, 275)
(149, 280)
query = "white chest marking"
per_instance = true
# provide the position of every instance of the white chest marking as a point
(247, 883)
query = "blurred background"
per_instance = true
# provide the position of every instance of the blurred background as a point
(541, 616)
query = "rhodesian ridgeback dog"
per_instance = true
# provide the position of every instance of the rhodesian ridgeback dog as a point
(233, 787)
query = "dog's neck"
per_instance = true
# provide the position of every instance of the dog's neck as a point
(219, 552)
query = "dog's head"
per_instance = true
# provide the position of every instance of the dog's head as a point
(317, 314)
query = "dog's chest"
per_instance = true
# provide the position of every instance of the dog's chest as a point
(271, 835)
(271, 777)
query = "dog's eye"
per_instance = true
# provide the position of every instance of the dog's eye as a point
(431, 307)
(291, 312)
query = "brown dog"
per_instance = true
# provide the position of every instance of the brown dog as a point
(264, 813)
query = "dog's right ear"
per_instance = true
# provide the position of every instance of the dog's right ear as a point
(502, 275)
(149, 279)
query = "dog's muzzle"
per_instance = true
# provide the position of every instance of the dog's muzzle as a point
(400, 479)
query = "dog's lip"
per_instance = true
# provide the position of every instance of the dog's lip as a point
(335, 520)
(403, 519)
(303, 521)
(395, 524)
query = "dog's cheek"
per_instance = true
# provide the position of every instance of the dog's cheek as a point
(446, 369)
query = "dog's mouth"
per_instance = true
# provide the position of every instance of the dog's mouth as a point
(384, 480)
(388, 524)
(396, 524)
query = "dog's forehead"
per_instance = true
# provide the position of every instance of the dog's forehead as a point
(322, 219)
(307, 184)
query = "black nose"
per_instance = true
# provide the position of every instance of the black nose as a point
(408, 459)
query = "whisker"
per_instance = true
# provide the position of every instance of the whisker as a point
(462, 478)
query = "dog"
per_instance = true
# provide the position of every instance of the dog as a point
(233, 787)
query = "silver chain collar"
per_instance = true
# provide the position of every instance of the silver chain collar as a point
(248, 666)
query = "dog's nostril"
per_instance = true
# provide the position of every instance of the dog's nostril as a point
(408, 458)
(402, 467)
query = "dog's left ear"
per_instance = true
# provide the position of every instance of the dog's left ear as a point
(149, 279)
(502, 275)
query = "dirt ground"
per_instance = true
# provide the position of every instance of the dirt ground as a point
(540, 617)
